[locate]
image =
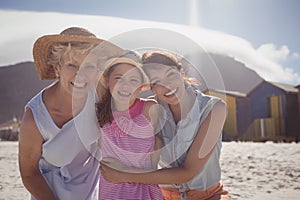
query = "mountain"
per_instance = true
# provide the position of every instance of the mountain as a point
(236, 76)
(221, 73)
(18, 84)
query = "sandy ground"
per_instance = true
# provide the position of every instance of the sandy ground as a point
(250, 171)
(11, 187)
(261, 170)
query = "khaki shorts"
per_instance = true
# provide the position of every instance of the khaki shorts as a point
(215, 192)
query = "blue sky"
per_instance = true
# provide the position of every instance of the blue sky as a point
(271, 26)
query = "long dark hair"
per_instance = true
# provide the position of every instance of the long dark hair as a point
(103, 107)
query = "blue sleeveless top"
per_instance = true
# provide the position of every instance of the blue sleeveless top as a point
(179, 137)
(70, 155)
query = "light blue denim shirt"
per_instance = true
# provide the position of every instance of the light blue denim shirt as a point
(179, 137)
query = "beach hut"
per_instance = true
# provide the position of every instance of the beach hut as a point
(10, 130)
(290, 109)
(268, 112)
(273, 111)
(258, 110)
(238, 113)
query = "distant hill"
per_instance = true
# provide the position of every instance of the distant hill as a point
(18, 84)
(220, 72)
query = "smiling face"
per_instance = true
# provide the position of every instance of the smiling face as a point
(76, 75)
(124, 83)
(166, 82)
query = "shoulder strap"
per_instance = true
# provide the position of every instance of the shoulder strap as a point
(138, 107)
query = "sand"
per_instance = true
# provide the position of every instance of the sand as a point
(11, 187)
(261, 170)
(249, 171)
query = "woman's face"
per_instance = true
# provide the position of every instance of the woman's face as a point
(77, 75)
(166, 82)
(124, 82)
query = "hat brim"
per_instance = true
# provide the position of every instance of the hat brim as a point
(42, 48)
(125, 60)
(121, 60)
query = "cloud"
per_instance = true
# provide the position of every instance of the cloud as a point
(273, 53)
(266, 60)
(20, 29)
(276, 56)
(296, 56)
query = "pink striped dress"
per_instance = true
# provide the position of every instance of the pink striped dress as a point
(130, 139)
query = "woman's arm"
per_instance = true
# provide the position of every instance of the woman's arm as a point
(151, 112)
(30, 150)
(155, 154)
(209, 132)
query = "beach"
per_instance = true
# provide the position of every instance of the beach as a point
(11, 187)
(266, 171)
(249, 171)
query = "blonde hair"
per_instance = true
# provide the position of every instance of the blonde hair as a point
(59, 50)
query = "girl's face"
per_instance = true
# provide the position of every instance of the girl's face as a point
(77, 76)
(166, 83)
(124, 83)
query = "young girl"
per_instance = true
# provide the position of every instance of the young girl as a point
(127, 124)
(191, 134)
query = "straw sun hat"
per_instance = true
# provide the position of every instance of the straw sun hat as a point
(42, 48)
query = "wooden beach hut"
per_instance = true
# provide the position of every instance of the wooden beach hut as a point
(290, 109)
(258, 110)
(268, 112)
(273, 113)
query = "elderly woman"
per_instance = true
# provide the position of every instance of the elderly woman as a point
(59, 131)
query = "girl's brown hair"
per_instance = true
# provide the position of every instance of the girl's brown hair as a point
(104, 106)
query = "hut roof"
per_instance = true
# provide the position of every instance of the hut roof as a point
(232, 93)
(285, 87)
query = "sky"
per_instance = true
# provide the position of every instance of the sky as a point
(270, 28)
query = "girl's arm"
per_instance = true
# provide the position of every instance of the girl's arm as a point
(209, 132)
(30, 150)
